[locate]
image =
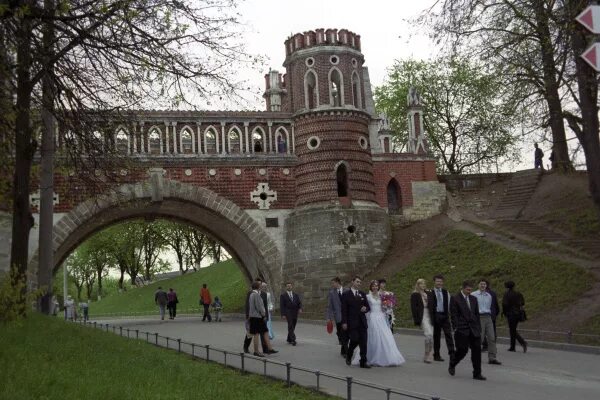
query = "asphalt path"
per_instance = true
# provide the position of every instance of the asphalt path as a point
(540, 374)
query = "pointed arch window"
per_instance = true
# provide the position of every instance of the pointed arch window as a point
(186, 140)
(234, 140)
(258, 140)
(282, 139)
(210, 140)
(155, 141)
(356, 94)
(394, 197)
(341, 175)
(122, 141)
(336, 88)
(311, 90)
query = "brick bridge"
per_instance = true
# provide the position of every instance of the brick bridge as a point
(303, 191)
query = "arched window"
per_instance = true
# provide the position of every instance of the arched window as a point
(154, 140)
(311, 90)
(258, 140)
(342, 180)
(356, 95)
(122, 141)
(282, 138)
(96, 142)
(234, 138)
(394, 198)
(210, 140)
(336, 88)
(185, 140)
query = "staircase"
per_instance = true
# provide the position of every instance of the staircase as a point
(520, 188)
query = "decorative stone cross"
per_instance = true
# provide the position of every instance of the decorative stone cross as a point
(263, 196)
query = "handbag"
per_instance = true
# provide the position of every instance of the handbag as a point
(522, 315)
(330, 327)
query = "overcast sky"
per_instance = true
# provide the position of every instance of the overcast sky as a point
(385, 34)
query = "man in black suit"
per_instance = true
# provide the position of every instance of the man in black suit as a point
(464, 311)
(440, 317)
(291, 306)
(354, 321)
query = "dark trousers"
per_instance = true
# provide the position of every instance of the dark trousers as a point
(172, 306)
(464, 342)
(206, 313)
(513, 322)
(358, 338)
(441, 322)
(248, 341)
(342, 338)
(291, 336)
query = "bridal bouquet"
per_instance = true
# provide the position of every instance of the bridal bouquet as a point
(388, 302)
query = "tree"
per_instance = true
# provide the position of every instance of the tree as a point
(522, 42)
(81, 271)
(152, 242)
(469, 118)
(176, 237)
(198, 244)
(97, 251)
(108, 57)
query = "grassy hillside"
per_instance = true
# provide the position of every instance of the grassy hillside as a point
(224, 279)
(46, 358)
(547, 283)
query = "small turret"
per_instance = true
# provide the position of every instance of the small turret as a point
(417, 142)
(274, 90)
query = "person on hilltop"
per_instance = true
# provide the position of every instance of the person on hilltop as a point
(538, 157)
(161, 300)
(464, 312)
(205, 301)
(172, 303)
(422, 303)
(334, 313)
(290, 305)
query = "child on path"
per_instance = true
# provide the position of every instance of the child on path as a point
(217, 306)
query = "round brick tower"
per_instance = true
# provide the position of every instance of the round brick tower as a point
(334, 176)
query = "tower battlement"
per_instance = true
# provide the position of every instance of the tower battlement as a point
(322, 37)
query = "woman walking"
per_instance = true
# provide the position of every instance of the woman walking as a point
(421, 312)
(512, 309)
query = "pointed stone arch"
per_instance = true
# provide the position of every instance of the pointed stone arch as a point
(311, 90)
(335, 80)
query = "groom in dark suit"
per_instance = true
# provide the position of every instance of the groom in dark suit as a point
(290, 305)
(354, 321)
(464, 311)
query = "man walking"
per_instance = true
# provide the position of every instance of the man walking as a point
(161, 300)
(291, 306)
(172, 303)
(354, 321)
(205, 301)
(464, 312)
(334, 312)
(484, 303)
(248, 337)
(495, 309)
(441, 318)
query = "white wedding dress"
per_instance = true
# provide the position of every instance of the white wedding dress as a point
(381, 346)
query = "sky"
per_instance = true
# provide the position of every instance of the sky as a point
(385, 33)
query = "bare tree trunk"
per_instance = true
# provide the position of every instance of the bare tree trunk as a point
(24, 150)
(551, 86)
(587, 82)
(46, 255)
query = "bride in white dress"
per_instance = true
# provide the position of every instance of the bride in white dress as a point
(381, 346)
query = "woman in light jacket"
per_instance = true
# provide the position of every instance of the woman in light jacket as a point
(420, 305)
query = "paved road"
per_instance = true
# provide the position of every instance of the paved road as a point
(540, 374)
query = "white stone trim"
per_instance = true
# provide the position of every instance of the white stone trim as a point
(306, 101)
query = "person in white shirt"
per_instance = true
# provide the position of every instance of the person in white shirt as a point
(484, 301)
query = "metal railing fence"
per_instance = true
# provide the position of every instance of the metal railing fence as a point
(346, 386)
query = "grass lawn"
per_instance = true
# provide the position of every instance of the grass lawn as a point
(46, 358)
(546, 283)
(224, 279)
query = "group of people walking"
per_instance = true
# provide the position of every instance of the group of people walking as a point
(467, 319)
(259, 318)
(168, 301)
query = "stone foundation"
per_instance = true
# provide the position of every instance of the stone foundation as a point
(330, 240)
